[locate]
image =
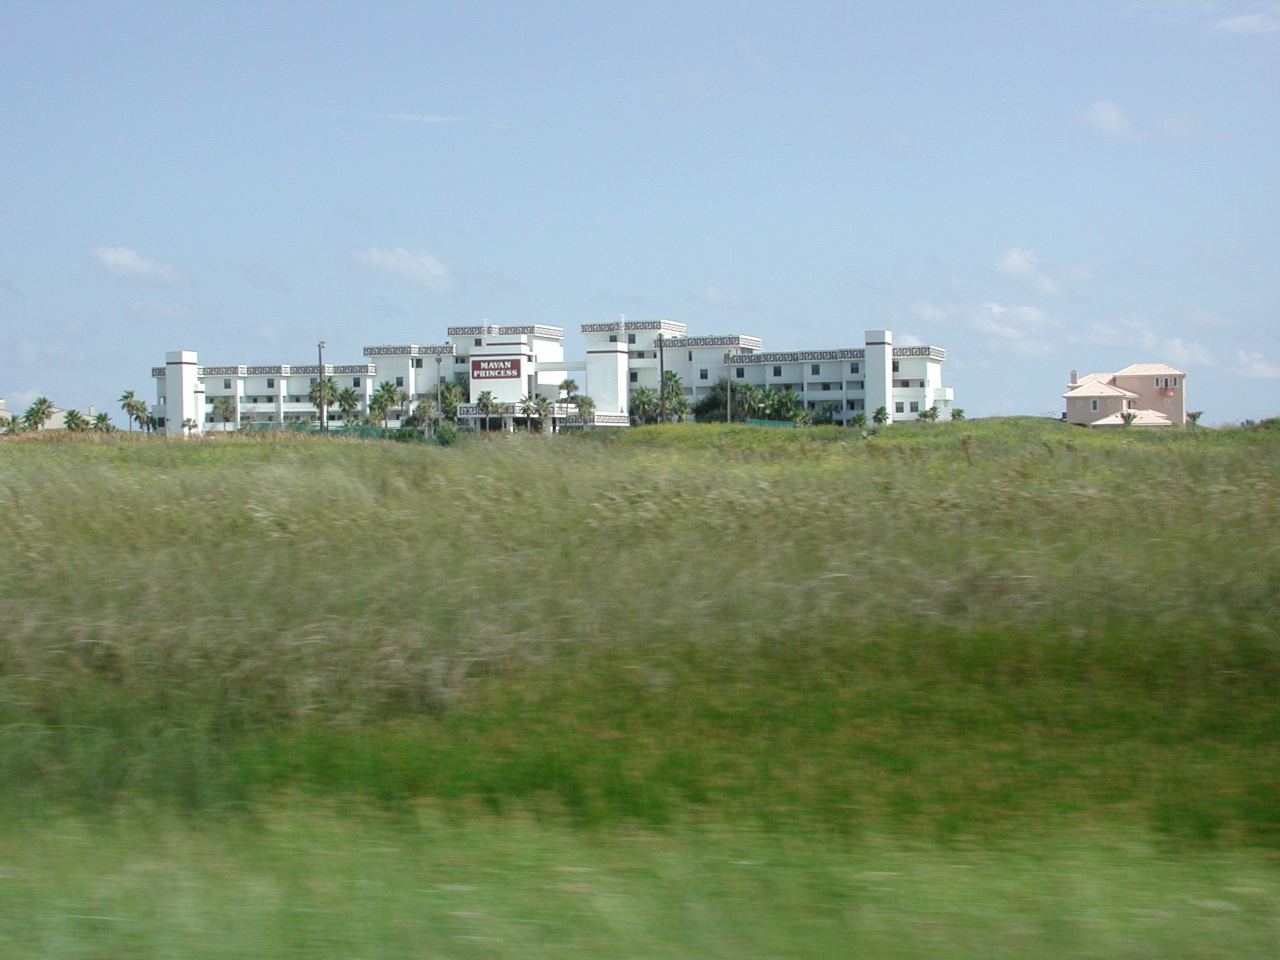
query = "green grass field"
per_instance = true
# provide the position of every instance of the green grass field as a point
(1033, 669)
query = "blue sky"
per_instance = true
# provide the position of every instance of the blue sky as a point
(1035, 187)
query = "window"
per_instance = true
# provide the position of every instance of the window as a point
(613, 338)
(313, 381)
(895, 366)
(853, 368)
(631, 338)
(208, 399)
(690, 354)
(915, 406)
(856, 405)
(702, 374)
(635, 376)
(417, 363)
(1093, 404)
(897, 407)
(355, 381)
(271, 383)
(777, 371)
(1129, 405)
(399, 381)
(826, 386)
(226, 384)
(479, 342)
(740, 372)
(856, 384)
(814, 369)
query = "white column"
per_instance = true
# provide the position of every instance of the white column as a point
(878, 382)
(183, 393)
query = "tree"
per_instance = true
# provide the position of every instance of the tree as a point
(957, 414)
(712, 406)
(881, 416)
(385, 397)
(543, 410)
(644, 405)
(348, 401)
(746, 401)
(826, 413)
(102, 423)
(930, 415)
(1193, 417)
(224, 409)
(1128, 417)
(135, 409)
(569, 388)
(75, 421)
(190, 426)
(858, 420)
(451, 395)
(323, 395)
(489, 406)
(586, 410)
(529, 408)
(38, 414)
(423, 416)
(671, 398)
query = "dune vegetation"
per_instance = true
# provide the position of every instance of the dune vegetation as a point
(972, 636)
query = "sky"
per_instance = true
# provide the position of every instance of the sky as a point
(1035, 187)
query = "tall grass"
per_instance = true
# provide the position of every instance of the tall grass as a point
(964, 628)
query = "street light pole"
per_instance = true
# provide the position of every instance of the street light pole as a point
(321, 393)
(728, 388)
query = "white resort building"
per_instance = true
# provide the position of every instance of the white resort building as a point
(1154, 393)
(512, 362)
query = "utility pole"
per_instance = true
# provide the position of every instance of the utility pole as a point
(728, 388)
(322, 393)
(662, 377)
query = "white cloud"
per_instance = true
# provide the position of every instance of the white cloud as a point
(1255, 367)
(925, 310)
(1025, 265)
(157, 312)
(263, 278)
(908, 340)
(1107, 117)
(715, 297)
(420, 269)
(1264, 22)
(129, 265)
(1019, 327)
(1143, 338)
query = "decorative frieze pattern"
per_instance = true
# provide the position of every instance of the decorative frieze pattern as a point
(935, 353)
(736, 340)
(492, 330)
(412, 350)
(796, 356)
(635, 326)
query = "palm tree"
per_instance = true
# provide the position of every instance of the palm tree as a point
(102, 423)
(542, 409)
(489, 406)
(672, 389)
(586, 410)
(224, 408)
(930, 415)
(644, 405)
(190, 426)
(881, 416)
(957, 414)
(746, 400)
(322, 395)
(858, 420)
(529, 408)
(1193, 417)
(38, 414)
(451, 394)
(1128, 417)
(75, 421)
(424, 415)
(568, 387)
(348, 401)
(385, 397)
(127, 400)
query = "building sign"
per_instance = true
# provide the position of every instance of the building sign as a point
(498, 368)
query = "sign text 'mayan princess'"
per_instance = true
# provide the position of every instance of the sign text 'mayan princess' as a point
(496, 369)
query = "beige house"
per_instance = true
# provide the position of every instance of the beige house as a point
(1153, 392)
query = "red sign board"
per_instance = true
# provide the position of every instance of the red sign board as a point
(497, 368)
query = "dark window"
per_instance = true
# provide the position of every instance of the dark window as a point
(702, 374)
(613, 338)
(355, 381)
(777, 371)
(814, 369)
(479, 342)
(897, 408)
(635, 376)
(417, 363)
(226, 384)
(631, 338)
(915, 406)
(740, 372)
(826, 386)
(399, 381)
(271, 383)
(690, 354)
(895, 366)
(853, 368)
(313, 381)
